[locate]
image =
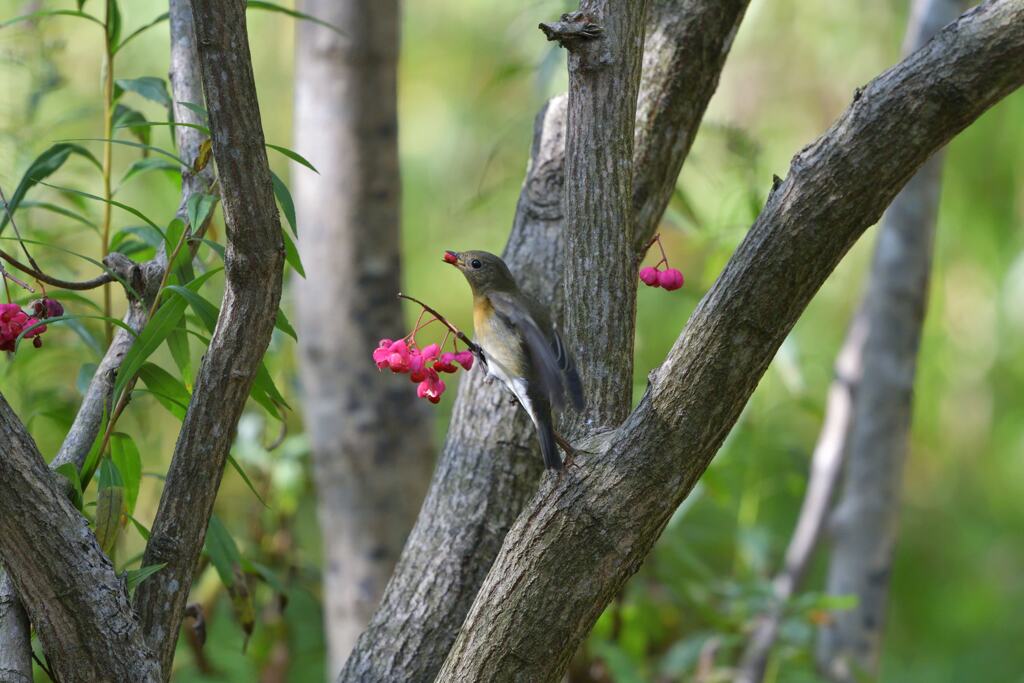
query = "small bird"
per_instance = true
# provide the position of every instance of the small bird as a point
(520, 345)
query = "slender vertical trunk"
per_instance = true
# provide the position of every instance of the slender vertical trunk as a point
(371, 437)
(864, 523)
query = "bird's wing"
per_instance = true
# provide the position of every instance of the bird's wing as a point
(554, 365)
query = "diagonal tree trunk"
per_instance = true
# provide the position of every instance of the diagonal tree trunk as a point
(902, 260)
(864, 523)
(371, 437)
(485, 474)
(586, 533)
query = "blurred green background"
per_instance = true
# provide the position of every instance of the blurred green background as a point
(473, 74)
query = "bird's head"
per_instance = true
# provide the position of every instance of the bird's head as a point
(484, 271)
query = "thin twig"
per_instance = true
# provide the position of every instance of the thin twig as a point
(98, 281)
(473, 346)
(17, 233)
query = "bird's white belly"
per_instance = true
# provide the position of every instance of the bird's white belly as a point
(517, 385)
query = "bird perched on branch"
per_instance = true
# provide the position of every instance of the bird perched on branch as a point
(521, 346)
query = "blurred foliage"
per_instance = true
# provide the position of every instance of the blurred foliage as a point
(473, 74)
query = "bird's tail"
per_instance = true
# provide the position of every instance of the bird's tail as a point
(548, 447)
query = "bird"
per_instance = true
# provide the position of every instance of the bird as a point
(521, 346)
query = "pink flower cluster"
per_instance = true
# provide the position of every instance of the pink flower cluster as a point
(653, 276)
(13, 321)
(422, 365)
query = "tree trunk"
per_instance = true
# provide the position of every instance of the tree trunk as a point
(864, 524)
(371, 437)
(15, 644)
(254, 258)
(488, 470)
(586, 533)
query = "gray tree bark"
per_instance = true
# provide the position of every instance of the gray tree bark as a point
(371, 472)
(864, 524)
(487, 471)
(902, 259)
(584, 534)
(76, 602)
(253, 262)
(15, 652)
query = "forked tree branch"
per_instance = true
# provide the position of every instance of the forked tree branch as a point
(253, 262)
(487, 471)
(586, 533)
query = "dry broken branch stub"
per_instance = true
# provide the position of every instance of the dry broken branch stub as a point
(572, 30)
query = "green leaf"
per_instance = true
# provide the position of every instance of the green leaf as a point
(284, 198)
(291, 254)
(206, 311)
(148, 164)
(85, 374)
(271, 7)
(43, 166)
(294, 156)
(131, 36)
(150, 87)
(51, 13)
(140, 527)
(167, 389)
(51, 321)
(113, 24)
(199, 207)
(173, 236)
(153, 334)
(110, 505)
(70, 472)
(204, 115)
(134, 577)
(223, 552)
(282, 323)
(245, 478)
(177, 342)
(135, 212)
(129, 143)
(85, 335)
(266, 574)
(134, 121)
(47, 206)
(125, 456)
(93, 458)
(173, 124)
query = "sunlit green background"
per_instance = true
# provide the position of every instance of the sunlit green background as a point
(472, 76)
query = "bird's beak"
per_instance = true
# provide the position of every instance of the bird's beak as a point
(451, 257)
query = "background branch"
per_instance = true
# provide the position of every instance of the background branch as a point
(486, 472)
(253, 261)
(583, 536)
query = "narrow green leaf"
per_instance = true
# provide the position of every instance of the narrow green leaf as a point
(131, 36)
(284, 198)
(41, 167)
(206, 311)
(125, 456)
(93, 458)
(291, 254)
(51, 13)
(266, 574)
(271, 7)
(113, 24)
(167, 389)
(294, 156)
(110, 505)
(134, 577)
(245, 478)
(223, 552)
(70, 472)
(174, 234)
(140, 527)
(173, 124)
(135, 212)
(134, 121)
(137, 145)
(68, 213)
(177, 342)
(201, 111)
(282, 323)
(148, 164)
(199, 208)
(150, 87)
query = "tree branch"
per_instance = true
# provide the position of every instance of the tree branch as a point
(253, 262)
(78, 606)
(486, 473)
(584, 535)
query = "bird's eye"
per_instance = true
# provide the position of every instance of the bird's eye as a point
(475, 263)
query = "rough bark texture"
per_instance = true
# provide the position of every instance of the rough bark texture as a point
(864, 524)
(826, 464)
(15, 643)
(370, 477)
(584, 535)
(253, 263)
(487, 470)
(604, 77)
(76, 602)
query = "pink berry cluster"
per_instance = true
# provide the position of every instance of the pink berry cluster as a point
(14, 320)
(653, 276)
(422, 365)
